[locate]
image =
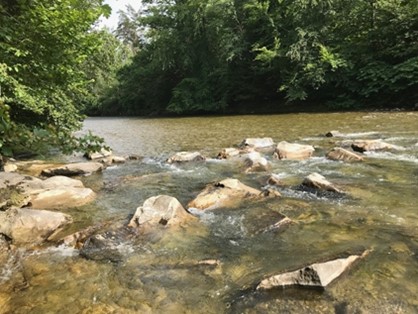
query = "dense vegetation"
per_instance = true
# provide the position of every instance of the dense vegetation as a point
(52, 64)
(197, 56)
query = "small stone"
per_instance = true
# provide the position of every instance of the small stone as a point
(185, 157)
(257, 142)
(342, 154)
(285, 150)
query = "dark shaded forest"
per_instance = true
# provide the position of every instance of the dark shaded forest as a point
(178, 57)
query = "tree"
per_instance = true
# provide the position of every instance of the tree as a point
(43, 44)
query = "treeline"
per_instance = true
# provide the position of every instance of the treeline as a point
(198, 56)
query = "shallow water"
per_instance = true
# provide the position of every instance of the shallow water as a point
(157, 273)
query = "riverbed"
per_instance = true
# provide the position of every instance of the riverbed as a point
(158, 273)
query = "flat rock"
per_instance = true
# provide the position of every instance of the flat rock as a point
(318, 275)
(98, 155)
(185, 157)
(342, 154)
(264, 142)
(74, 169)
(293, 151)
(232, 152)
(62, 197)
(318, 182)
(226, 193)
(160, 210)
(362, 146)
(26, 225)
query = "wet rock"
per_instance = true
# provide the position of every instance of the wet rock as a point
(60, 198)
(118, 160)
(226, 193)
(161, 210)
(334, 134)
(318, 182)
(185, 157)
(279, 225)
(134, 157)
(342, 154)
(254, 162)
(98, 155)
(76, 240)
(110, 246)
(74, 169)
(362, 146)
(285, 150)
(232, 152)
(26, 225)
(274, 179)
(264, 142)
(318, 275)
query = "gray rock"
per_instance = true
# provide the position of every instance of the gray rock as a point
(342, 154)
(26, 225)
(160, 210)
(185, 157)
(74, 169)
(285, 150)
(317, 275)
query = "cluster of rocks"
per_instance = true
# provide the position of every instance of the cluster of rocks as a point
(26, 201)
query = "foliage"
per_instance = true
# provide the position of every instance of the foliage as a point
(43, 47)
(216, 55)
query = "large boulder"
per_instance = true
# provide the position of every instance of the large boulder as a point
(342, 154)
(74, 169)
(264, 142)
(293, 151)
(62, 197)
(226, 193)
(185, 157)
(318, 275)
(26, 225)
(254, 162)
(362, 146)
(318, 182)
(55, 192)
(160, 210)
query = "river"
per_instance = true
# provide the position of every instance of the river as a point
(157, 274)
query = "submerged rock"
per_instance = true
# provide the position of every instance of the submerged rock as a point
(160, 210)
(362, 146)
(342, 154)
(318, 275)
(264, 142)
(26, 225)
(185, 157)
(226, 193)
(285, 150)
(279, 225)
(318, 182)
(109, 246)
(74, 169)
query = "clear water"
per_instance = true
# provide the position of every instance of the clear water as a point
(158, 272)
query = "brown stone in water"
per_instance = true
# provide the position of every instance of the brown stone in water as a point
(285, 150)
(342, 154)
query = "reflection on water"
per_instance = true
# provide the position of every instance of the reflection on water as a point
(158, 273)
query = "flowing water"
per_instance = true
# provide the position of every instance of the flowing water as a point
(157, 273)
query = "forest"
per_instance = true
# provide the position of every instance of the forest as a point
(181, 57)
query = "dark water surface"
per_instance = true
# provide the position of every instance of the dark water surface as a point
(156, 274)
